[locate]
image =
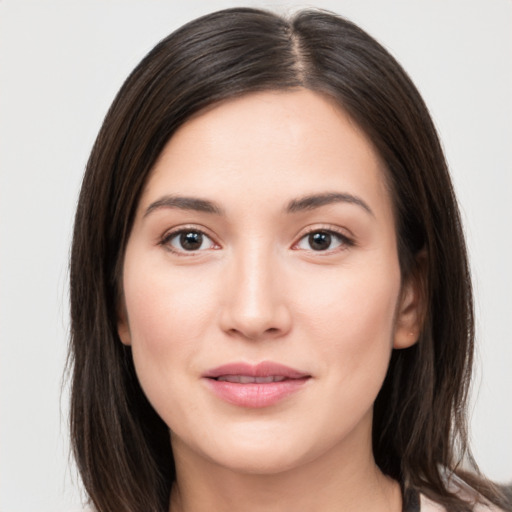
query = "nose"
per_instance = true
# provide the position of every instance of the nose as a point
(254, 305)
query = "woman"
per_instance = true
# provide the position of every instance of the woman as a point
(270, 297)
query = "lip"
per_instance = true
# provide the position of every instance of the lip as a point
(255, 394)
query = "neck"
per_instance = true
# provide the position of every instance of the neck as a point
(329, 483)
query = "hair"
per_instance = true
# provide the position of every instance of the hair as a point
(121, 445)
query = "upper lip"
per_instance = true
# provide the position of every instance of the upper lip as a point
(263, 369)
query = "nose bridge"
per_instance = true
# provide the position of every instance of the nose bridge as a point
(255, 305)
(256, 268)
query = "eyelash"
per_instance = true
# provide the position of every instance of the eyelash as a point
(168, 237)
(344, 241)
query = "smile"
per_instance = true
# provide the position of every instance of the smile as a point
(254, 386)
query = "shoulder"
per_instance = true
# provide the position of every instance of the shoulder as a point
(464, 491)
(427, 505)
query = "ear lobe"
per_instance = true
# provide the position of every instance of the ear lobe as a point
(123, 327)
(411, 307)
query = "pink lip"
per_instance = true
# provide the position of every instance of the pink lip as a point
(257, 394)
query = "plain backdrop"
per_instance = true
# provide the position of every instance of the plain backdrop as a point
(61, 64)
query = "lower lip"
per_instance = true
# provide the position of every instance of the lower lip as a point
(255, 395)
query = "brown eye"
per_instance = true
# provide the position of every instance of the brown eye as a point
(191, 241)
(320, 241)
(323, 240)
(188, 241)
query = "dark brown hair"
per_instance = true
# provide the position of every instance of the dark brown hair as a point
(121, 445)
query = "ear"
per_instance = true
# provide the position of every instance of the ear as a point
(123, 327)
(411, 307)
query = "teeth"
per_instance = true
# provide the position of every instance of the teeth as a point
(246, 379)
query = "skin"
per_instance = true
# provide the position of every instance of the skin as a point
(257, 290)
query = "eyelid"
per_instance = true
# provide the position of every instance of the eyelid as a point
(347, 240)
(168, 235)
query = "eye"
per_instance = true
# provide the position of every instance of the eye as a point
(188, 240)
(323, 240)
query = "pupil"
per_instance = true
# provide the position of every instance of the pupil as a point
(320, 241)
(191, 241)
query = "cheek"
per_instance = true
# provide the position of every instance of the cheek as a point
(352, 325)
(168, 314)
(167, 323)
(352, 319)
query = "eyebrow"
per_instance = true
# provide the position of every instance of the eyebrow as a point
(296, 205)
(185, 203)
(317, 200)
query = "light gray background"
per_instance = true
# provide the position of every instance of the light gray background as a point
(61, 64)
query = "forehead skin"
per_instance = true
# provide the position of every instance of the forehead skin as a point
(238, 145)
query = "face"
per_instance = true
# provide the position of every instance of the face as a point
(262, 290)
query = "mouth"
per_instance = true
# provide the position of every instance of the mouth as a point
(255, 386)
(247, 379)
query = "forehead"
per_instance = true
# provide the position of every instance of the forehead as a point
(268, 145)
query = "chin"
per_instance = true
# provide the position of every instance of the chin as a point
(274, 451)
(256, 460)
(248, 448)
